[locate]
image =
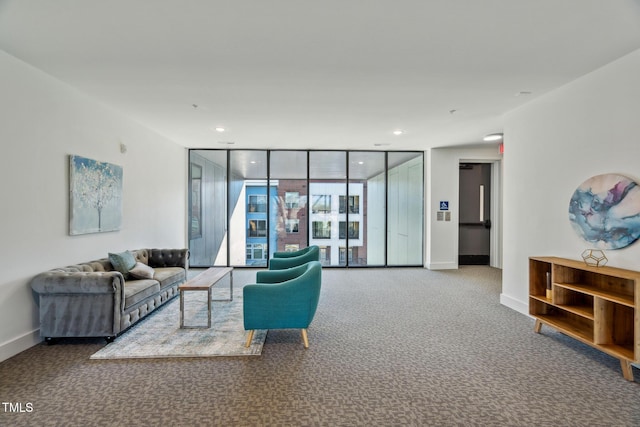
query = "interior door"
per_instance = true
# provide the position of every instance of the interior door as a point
(474, 244)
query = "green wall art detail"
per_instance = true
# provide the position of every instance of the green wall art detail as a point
(95, 196)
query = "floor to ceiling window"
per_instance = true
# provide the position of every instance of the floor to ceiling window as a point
(404, 215)
(365, 207)
(362, 208)
(208, 208)
(288, 174)
(327, 184)
(249, 217)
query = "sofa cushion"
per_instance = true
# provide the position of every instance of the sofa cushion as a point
(139, 290)
(141, 271)
(169, 275)
(123, 262)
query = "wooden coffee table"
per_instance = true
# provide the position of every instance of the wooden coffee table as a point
(205, 282)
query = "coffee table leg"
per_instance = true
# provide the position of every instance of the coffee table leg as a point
(209, 307)
(230, 289)
(181, 308)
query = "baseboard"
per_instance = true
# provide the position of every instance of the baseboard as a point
(18, 345)
(442, 266)
(473, 259)
(514, 304)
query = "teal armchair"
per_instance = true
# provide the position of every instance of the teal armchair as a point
(289, 254)
(283, 299)
(282, 260)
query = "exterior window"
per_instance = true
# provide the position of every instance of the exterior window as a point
(292, 200)
(354, 204)
(256, 251)
(324, 254)
(321, 229)
(257, 228)
(343, 253)
(353, 232)
(321, 204)
(291, 225)
(257, 203)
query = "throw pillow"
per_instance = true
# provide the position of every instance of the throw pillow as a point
(123, 262)
(142, 271)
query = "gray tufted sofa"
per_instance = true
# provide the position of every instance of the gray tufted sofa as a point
(94, 300)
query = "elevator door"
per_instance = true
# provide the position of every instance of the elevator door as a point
(474, 244)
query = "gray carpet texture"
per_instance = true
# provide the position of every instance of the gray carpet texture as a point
(388, 347)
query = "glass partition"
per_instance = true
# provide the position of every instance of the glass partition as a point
(208, 208)
(365, 208)
(289, 202)
(248, 208)
(405, 205)
(362, 208)
(327, 184)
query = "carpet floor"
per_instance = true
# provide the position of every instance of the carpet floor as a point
(388, 347)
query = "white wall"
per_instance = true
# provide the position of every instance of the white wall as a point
(443, 185)
(553, 144)
(42, 121)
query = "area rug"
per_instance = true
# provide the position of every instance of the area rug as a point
(159, 335)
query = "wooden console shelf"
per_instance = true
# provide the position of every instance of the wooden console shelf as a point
(595, 305)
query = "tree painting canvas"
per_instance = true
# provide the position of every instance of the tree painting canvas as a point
(96, 196)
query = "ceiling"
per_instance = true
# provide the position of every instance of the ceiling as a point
(331, 74)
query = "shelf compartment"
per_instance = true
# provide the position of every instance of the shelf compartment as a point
(538, 270)
(540, 306)
(614, 327)
(569, 324)
(617, 351)
(617, 289)
(594, 291)
(541, 298)
(573, 301)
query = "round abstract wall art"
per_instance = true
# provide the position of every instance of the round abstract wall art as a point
(605, 211)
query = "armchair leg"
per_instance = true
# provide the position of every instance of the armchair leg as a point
(305, 339)
(249, 338)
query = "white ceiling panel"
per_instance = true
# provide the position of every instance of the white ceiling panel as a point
(291, 74)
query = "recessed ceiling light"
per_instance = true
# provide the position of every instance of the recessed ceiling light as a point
(219, 129)
(524, 93)
(253, 162)
(226, 142)
(398, 132)
(493, 137)
(361, 163)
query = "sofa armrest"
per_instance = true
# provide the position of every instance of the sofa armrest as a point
(168, 257)
(59, 282)
(79, 303)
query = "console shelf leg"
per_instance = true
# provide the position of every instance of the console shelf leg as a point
(537, 327)
(627, 370)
